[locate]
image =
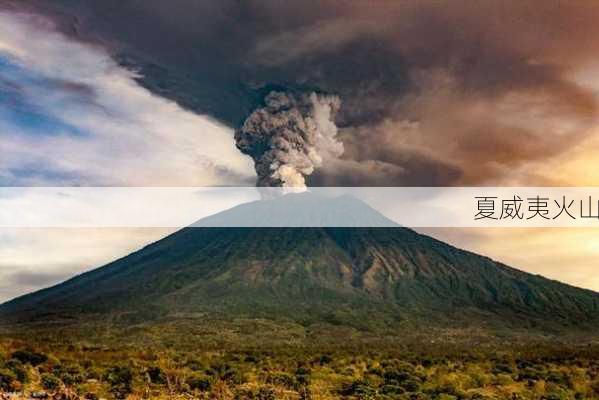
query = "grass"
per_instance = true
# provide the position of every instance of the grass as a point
(260, 359)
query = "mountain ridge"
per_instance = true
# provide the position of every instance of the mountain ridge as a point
(363, 277)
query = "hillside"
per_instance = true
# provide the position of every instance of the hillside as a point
(364, 277)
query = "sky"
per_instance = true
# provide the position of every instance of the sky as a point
(432, 94)
(86, 121)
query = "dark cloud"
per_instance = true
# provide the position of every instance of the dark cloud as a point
(483, 86)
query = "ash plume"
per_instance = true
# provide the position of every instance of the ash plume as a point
(435, 93)
(290, 136)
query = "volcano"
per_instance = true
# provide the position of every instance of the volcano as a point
(366, 277)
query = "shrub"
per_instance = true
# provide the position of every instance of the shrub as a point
(69, 374)
(325, 359)
(358, 388)
(392, 389)
(18, 369)
(502, 368)
(93, 373)
(120, 380)
(410, 385)
(266, 393)
(302, 377)
(29, 357)
(531, 374)
(156, 375)
(199, 382)
(225, 372)
(397, 376)
(195, 365)
(50, 382)
(281, 379)
(71, 379)
(251, 359)
(7, 380)
(559, 378)
(304, 393)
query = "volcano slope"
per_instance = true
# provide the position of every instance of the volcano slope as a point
(366, 278)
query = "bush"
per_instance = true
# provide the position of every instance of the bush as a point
(530, 374)
(71, 379)
(225, 372)
(251, 359)
(392, 390)
(195, 365)
(358, 388)
(7, 380)
(397, 376)
(302, 377)
(199, 382)
(29, 357)
(411, 385)
(559, 378)
(281, 379)
(50, 382)
(266, 393)
(120, 380)
(93, 373)
(325, 359)
(502, 368)
(156, 375)
(18, 369)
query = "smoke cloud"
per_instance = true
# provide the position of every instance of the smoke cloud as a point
(434, 92)
(290, 136)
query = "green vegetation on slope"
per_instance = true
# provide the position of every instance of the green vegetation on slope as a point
(372, 278)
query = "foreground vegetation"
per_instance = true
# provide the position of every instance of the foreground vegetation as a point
(73, 367)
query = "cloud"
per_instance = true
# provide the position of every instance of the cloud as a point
(70, 115)
(490, 86)
(444, 139)
(31, 259)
